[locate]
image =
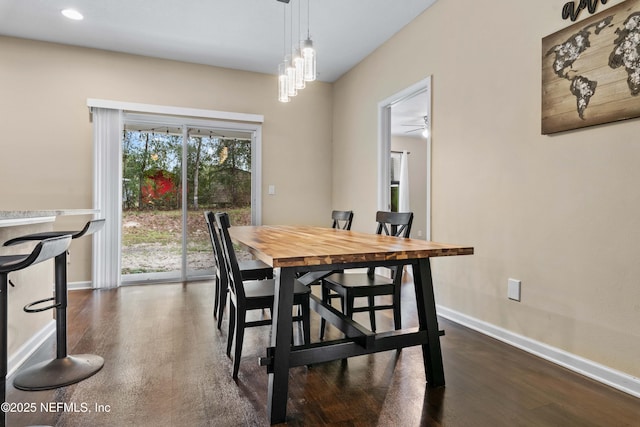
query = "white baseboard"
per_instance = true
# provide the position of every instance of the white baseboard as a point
(601, 373)
(28, 348)
(74, 286)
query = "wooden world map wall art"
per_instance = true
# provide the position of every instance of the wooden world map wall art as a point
(591, 70)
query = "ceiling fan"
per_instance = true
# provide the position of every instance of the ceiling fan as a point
(424, 127)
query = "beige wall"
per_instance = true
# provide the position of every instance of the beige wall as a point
(47, 137)
(561, 213)
(31, 284)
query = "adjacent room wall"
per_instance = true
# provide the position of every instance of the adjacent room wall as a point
(47, 137)
(560, 213)
(417, 162)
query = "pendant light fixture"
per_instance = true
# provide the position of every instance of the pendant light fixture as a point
(308, 52)
(291, 76)
(299, 67)
(298, 64)
(291, 68)
(298, 61)
(283, 88)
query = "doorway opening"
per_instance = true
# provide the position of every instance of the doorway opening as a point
(404, 130)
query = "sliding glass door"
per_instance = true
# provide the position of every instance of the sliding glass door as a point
(171, 174)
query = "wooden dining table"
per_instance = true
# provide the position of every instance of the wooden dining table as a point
(297, 250)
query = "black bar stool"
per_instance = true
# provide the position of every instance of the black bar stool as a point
(64, 369)
(44, 250)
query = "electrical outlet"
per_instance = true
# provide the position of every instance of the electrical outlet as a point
(513, 289)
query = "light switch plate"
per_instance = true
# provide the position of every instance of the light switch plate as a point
(513, 289)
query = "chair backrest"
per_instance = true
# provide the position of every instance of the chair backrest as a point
(342, 219)
(216, 246)
(229, 255)
(394, 223)
(90, 228)
(45, 249)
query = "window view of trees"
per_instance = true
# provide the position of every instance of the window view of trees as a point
(218, 171)
(218, 177)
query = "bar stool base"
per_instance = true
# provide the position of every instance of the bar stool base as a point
(58, 372)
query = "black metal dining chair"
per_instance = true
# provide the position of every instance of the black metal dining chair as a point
(249, 270)
(342, 219)
(350, 286)
(245, 295)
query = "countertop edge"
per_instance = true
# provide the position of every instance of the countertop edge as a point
(26, 217)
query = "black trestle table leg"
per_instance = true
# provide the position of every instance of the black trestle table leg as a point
(281, 342)
(426, 305)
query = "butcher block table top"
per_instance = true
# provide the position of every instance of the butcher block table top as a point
(293, 246)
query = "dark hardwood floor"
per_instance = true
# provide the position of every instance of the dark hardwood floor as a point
(165, 365)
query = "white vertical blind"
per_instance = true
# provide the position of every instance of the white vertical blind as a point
(107, 195)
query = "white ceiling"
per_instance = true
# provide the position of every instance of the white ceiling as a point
(239, 34)
(407, 115)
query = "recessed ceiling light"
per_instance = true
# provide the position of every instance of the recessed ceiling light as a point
(72, 14)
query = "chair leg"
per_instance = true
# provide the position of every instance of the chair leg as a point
(216, 298)
(325, 300)
(222, 297)
(372, 312)
(240, 322)
(306, 321)
(232, 327)
(347, 308)
(397, 319)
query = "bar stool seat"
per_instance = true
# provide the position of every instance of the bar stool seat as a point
(89, 228)
(65, 369)
(44, 250)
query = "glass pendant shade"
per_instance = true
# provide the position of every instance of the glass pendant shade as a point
(309, 56)
(283, 91)
(298, 63)
(291, 78)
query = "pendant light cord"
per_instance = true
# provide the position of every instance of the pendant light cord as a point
(308, 18)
